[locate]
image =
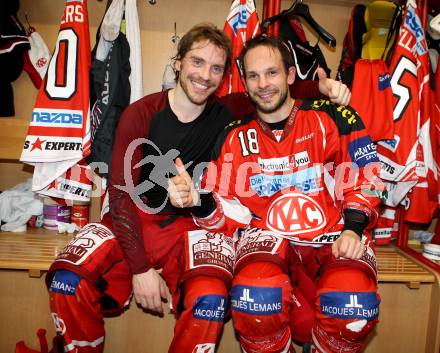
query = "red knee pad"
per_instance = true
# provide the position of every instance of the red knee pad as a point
(199, 326)
(72, 297)
(347, 306)
(212, 288)
(261, 298)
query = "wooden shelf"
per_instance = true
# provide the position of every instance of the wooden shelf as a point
(33, 250)
(394, 266)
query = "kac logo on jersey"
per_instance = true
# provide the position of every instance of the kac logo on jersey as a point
(294, 213)
(350, 305)
(363, 151)
(210, 307)
(256, 300)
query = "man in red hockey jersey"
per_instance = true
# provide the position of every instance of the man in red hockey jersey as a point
(143, 232)
(273, 176)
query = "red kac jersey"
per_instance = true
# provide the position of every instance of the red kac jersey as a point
(298, 187)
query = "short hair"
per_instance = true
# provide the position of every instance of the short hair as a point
(270, 42)
(205, 31)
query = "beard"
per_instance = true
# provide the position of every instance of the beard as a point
(272, 108)
(194, 97)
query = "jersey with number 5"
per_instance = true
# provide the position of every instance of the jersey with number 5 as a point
(409, 71)
(407, 160)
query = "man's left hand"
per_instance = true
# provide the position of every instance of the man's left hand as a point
(336, 91)
(348, 245)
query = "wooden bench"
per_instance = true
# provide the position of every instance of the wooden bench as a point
(33, 251)
(409, 319)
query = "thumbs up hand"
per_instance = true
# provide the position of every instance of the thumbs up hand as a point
(337, 91)
(181, 188)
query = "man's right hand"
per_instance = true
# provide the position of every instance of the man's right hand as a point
(149, 290)
(181, 188)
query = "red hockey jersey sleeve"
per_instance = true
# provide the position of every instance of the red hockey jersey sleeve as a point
(124, 176)
(356, 168)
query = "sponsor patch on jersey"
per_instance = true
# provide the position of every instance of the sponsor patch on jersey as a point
(305, 181)
(304, 138)
(281, 164)
(238, 17)
(382, 233)
(413, 24)
(55, 144)
(384, 81)
(350, 305)
(256, 300)
(210, 249)
(295, 213)
(85, 243)
(70, 187)
(256, 240)
(345, 117)
(327, 237)
(301, 158)
(363, 151)
(57, 118)
(210, 307)
(390, 144)
(64, 282)
(388, 169)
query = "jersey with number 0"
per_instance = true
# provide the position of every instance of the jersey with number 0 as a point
(298, 187)
(59, 132)
(407, 158)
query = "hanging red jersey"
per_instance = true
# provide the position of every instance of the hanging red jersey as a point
(59, 132)
(241, 25)
(372, 98)
(409, 68)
